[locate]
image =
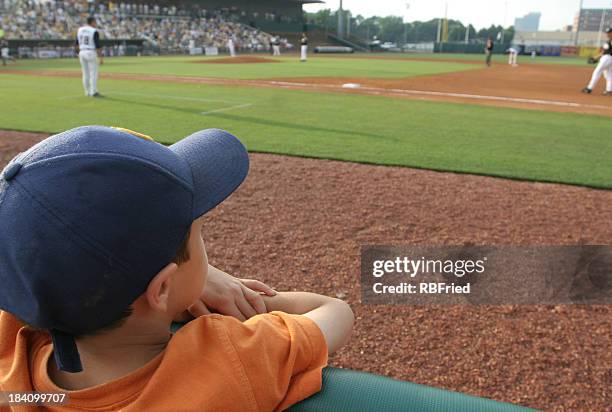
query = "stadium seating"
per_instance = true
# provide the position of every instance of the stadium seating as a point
(169, 28)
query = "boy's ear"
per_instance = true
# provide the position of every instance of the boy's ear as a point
(158, 289)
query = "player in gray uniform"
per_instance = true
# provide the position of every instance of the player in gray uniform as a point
(88, 46)
(276, 46)
(604, 66)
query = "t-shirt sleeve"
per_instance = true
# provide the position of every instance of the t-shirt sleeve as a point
(9, 328)
(283, 356)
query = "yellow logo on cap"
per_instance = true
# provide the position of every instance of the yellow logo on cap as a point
(133, 133)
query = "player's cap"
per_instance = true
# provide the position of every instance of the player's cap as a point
(90, 215)
(609, 30)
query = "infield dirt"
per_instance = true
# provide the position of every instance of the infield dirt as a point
(542, 87)
(298, 224)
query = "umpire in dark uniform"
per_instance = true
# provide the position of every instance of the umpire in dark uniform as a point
(489, 50)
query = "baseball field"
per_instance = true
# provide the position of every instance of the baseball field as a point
(382, 149)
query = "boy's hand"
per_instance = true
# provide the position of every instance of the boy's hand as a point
(240, 298)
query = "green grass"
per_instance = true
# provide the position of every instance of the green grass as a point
(288, 66)
(522, 144)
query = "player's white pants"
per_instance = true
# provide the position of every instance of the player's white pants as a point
(512, 58)
(89, 67)
(304, 53)
(276, 50)
(603, 67)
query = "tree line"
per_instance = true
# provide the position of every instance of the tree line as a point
(393, 29)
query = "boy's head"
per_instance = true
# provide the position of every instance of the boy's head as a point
(171, 291)
(95, 217)
(91, 21)
(609, 33)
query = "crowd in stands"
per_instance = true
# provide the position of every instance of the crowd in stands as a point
(168, 27)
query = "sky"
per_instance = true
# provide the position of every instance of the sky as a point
(480, 13)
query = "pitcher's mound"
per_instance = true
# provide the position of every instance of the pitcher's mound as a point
(239, 60)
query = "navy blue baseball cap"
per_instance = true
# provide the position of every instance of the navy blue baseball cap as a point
(89, 216)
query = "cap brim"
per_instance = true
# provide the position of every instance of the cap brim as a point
(219, 163)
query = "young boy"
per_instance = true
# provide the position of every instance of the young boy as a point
(101, 249)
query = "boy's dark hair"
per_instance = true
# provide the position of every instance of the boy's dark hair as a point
(91, 19)
(181, 256)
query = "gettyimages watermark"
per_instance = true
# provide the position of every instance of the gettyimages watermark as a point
(488, 275)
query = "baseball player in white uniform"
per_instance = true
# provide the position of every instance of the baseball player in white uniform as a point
(231, 47)
(604, 66)
(513, 56)
(304, 47)
(276, 46)
(88, 44)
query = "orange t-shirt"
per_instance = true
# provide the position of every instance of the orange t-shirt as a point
(214, 363)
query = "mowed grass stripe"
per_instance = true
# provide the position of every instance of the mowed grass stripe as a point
(511, 143)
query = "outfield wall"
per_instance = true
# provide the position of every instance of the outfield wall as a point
(469, 48)
(29, 48)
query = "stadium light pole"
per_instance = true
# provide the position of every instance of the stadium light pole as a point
(601, 25)
(445, 27)
(505, 19)
(578, 25)
(340, 22)
(348, 23)
(406, 23)
(439, 35)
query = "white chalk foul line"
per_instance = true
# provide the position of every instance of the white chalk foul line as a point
(225, 109)
(496, 98)
(240, 105)
(382, 90)
(174, 97)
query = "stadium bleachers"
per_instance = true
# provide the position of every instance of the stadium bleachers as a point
(166, 27)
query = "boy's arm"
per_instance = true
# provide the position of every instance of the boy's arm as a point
(333, 316)
(227, 295)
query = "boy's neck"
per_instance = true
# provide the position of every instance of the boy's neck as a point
(113, 354)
